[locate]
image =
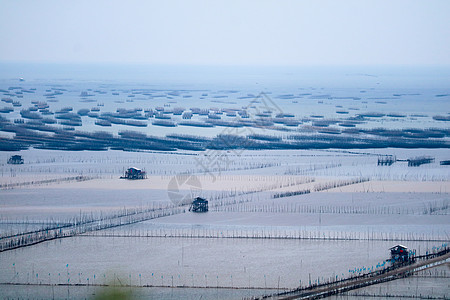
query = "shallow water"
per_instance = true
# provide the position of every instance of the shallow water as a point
(418, 93)
(192, 261)
(90, 292)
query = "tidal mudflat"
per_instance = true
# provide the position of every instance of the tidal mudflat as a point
(305, 184)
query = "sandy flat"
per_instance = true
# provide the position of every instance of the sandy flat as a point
(204, 182)
(252, 182)
(234, 183)
(396, 186)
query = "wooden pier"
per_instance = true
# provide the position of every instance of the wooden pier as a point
(386, 160)
(318, 291)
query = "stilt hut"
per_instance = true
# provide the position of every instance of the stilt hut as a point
(399, 253)
(15, 160)
(199, 205)
(134, 173)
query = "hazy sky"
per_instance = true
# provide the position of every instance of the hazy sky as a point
(227, 32)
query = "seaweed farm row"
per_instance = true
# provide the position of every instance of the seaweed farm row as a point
(267, 232)
(54, 120)
(47, 137)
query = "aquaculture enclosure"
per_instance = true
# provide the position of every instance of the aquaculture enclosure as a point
(301, 185)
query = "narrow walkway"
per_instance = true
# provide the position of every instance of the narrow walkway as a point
(325, 290)
(88, 225)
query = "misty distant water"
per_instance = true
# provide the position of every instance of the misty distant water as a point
(250, 77)
(409, 96)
